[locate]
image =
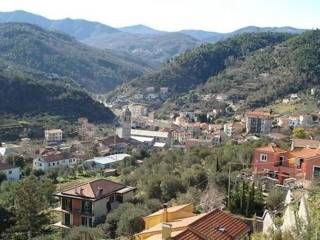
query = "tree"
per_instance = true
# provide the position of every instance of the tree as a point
(3, 177)
(32, 201)
(299, 133)
(170, 186)
(80, 233)
(275, 199)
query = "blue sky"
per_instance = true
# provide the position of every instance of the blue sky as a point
(172, 15)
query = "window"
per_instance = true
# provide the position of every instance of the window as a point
(111, 198)
(53, 164)
(86, 207)
(263, 157)
(66, 204)
(40, 164)
(86, 221)
(49, 164)
(67, 219)
(119, 198)
(316, 172)
(70, 160)
(58, 163)
(10, 172)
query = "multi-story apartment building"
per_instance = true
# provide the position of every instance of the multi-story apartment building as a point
(53, 135)
(88, 204)
(302, 164)
(258, 122)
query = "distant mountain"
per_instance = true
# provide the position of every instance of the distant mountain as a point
(78, 28)
(140, 40)
(193, 68)
(204, 35)
(212, 37)
(55, 54)
(139, 29)
(155, 48)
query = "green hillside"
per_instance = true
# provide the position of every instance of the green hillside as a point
(33, 49)
(272, 72)
(194, 67)
(260, 78)
(25, 97)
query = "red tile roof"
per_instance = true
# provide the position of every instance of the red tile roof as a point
(94, 190)
(258, 114)
(271, 148)
(217, 225)
(302, 143)
(5, 166)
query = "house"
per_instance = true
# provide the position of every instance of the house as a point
(106, 161)
(305, 120)
(11, 172)
(234, 128)
(258, 122)
(88, 204)
(53, 135)
(304, 143)
(152, 96)
(6, 151)
(301, 164)
(180, 223)
(52, 159)
(286, 122)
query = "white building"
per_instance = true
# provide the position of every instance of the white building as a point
(157, 136)
(12, 173)
(107, 161)
(54, 159)
(53, 135)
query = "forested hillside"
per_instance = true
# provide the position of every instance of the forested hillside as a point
(55, 54)
(272, 72)
(192, 68)
(26, 97)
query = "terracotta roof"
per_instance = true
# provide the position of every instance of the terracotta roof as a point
(304, 153)
(216, 225)
(303, 143)
(258, 114)
(5, 166)
(56, 156)
(170, 210)
(95, 190)
(271, 148)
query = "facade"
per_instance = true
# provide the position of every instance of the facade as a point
(125, 130)
(86, 129)
(53, 159)
(180, 223)
(12, 173)
(157, 136)
(301, 164)
(258, 122)
(88, 204)
(107, 161)
(53, 135)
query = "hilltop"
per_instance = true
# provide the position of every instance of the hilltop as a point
(141, 41)
(35, 49)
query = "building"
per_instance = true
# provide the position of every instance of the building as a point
(156, 136)
(304, 143)
(12, 173)
(88, 204)
(107, 161)
(138, 110)
(301, 164)
(53, 135)
(86, 130)
(305, 120)
(125, 129)
(258, 122)
(180, 223)
(52, 159)
(234, 128)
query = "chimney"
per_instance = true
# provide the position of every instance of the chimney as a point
(81, 191)
(100, 190)
(165, 231)
(165, 213)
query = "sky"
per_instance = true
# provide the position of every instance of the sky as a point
(173, 15)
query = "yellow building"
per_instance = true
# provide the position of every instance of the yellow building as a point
(178, 217)
(180, 223)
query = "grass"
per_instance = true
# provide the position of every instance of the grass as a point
(307, 105)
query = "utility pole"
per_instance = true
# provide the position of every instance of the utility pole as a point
(229, 184)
